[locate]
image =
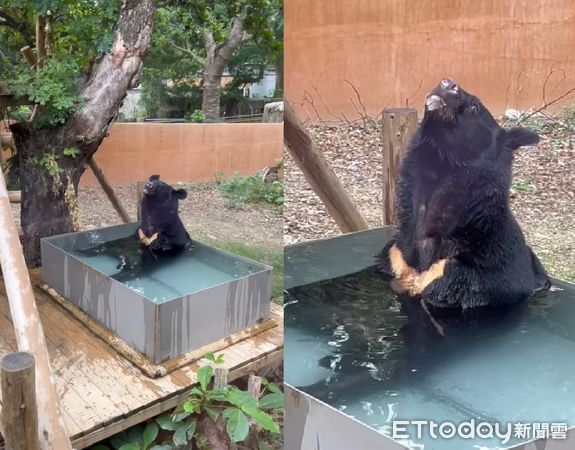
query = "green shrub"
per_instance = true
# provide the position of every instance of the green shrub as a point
(252, 189)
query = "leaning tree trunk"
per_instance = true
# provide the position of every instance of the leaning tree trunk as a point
(49, 179)
(216, 60)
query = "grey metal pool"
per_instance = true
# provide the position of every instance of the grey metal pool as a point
(358, 361)
(176, 305)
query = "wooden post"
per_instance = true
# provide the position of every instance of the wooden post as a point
(29, 56)
(41, 41)
(254, 386)
(398, 127)
(28, 328)
(19, 410)
(139, 196)
(220, 377)
(319, 174)
(107, 187)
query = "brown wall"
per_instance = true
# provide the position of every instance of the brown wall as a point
(186, 152)
(500, 50)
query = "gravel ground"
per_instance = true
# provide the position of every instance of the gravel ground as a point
(354, 152)
(543, 199)
(204, 212)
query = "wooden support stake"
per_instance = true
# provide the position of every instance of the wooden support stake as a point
(398, 127)
(28, 328)
(99, 174)
(19, 409)
(220, 377)
(254, 386)
(29, 56)
(41, 40)
(139, 196)
(319, 174)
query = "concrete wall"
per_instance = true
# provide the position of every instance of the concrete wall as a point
(186, 152)
(394, 50)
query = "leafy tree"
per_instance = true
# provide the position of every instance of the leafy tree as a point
(207, 37)
(88, 53)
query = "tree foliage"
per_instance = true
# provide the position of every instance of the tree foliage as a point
(178, 50)
(78, 34)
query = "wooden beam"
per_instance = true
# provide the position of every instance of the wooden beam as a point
(398, 126)
(107, 187)
(28, 328)
(19, 409)
(319, 174)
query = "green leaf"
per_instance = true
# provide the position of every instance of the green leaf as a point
(130, 446)
(192, 405)
(162, 447)
(204, 376)
(214, 413)
(263, 419)
(150, 434)
(178, 417)
(166, 422)
(210, 357)
(195, 391)
(237, 426)
(220, 394)
(181, 435)
(192, 428)
(274, 388)
(241, 398)
(272, 401)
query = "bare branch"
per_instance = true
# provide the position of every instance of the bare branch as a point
(198, 59)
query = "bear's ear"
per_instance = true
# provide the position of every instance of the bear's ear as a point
(154, 178)
(518, 137)
(180, 194)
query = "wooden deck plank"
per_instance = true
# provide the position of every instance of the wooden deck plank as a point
(101, 392)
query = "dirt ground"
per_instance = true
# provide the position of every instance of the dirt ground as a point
(543, 198)
(204, 212)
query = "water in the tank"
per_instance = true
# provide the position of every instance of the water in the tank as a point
(353, 344)
(161, 278)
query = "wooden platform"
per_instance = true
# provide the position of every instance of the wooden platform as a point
(101, 392)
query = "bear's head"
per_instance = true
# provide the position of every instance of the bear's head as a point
(462, 128)
(158, 192)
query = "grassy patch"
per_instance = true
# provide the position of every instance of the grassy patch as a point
(270, 257)
(239, 191)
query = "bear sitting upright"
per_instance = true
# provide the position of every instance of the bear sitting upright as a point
(161, 229)
(458, 244)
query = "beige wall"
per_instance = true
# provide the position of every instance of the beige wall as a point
(186, 152)
(500, 50)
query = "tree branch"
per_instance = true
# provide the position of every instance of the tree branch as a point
(11, 22)
(198, 59)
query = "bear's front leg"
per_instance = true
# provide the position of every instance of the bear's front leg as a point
(147, 241)
(404, 275)
(424, 279)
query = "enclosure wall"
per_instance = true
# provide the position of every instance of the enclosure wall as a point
(394, 51)
(186, 152)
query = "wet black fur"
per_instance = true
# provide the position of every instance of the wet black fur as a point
(452, 202)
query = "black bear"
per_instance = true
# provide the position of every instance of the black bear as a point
(458, 244)
(160, 237)
(161, 229)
